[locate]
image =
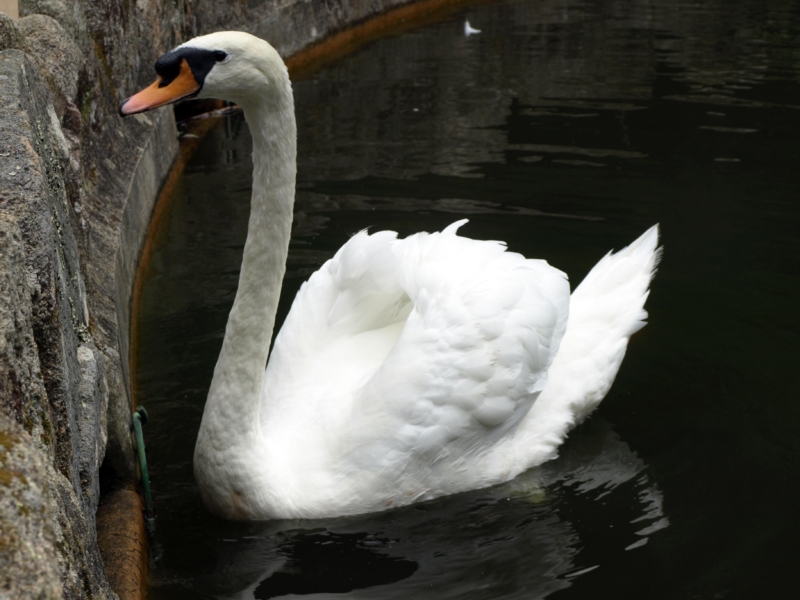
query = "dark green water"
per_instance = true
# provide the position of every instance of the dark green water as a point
(566, 129)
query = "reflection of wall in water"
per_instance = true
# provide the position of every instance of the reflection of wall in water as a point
(571, 51)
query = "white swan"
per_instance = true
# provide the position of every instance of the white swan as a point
(406, 369)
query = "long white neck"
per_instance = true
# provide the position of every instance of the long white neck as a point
(231, 414)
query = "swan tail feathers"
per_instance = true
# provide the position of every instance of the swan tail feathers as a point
(606, 309)
(616, 289)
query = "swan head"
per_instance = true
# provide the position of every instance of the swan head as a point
(229, 65)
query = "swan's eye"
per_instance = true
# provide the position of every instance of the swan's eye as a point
(220, 55)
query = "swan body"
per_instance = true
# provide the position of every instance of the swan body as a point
(407, 369)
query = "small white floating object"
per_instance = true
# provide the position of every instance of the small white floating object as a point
(469, 30)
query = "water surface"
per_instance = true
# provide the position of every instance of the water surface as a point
(566, 129)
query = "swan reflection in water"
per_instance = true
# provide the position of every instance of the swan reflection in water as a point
(520, 539)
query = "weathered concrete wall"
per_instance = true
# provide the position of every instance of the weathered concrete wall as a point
(77, 187)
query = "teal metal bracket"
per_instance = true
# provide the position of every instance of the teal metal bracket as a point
(140, 419)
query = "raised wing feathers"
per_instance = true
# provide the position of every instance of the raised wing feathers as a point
(403, 353)
(473, 354)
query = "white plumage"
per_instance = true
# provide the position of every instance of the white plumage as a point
(469, 29)
(407, 369)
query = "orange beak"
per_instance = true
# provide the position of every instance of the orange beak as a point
(159, 93)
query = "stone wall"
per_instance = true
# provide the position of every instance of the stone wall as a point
(65, 178)
(77, 187)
